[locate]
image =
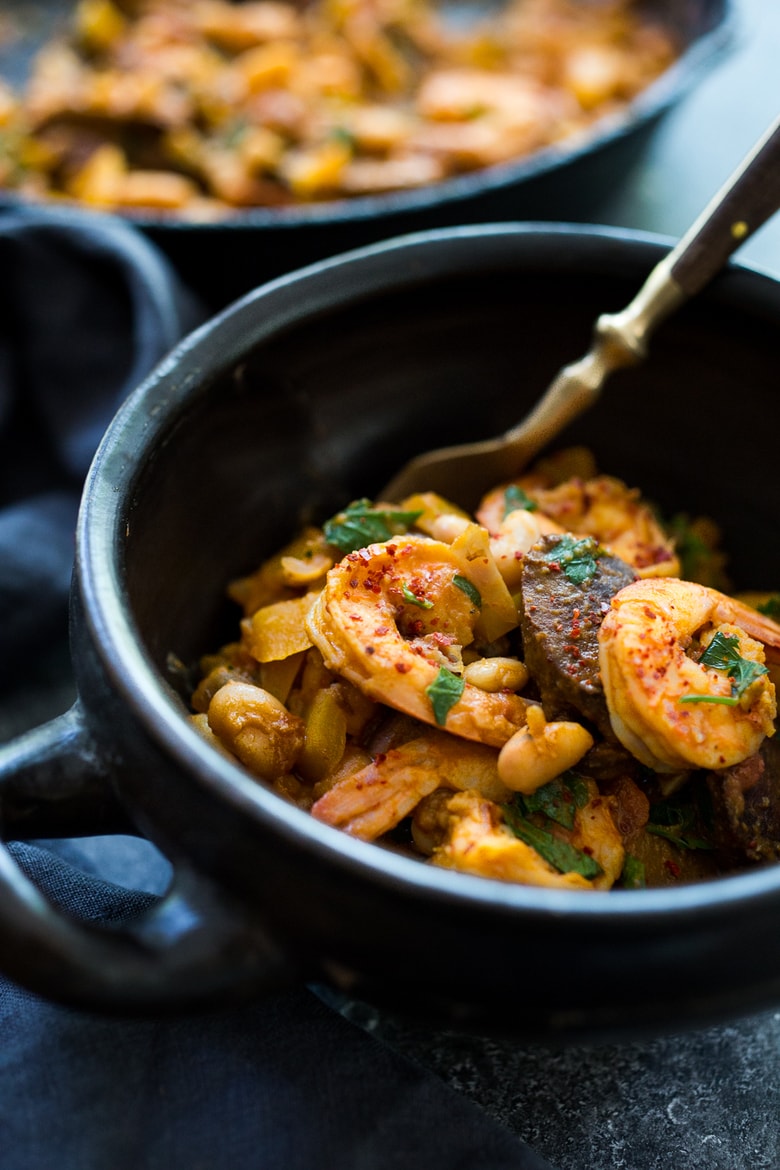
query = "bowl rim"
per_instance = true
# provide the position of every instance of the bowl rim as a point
(102, 526)
(700, 54)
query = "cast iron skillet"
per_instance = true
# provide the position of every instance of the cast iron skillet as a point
(302, 396)
(225, 260)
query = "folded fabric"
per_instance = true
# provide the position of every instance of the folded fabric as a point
(286, 1082)
(89, 306)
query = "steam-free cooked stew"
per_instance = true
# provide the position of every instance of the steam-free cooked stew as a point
(198, 109)
(559, 691)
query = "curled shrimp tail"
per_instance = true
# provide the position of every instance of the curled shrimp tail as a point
(669, 705)
(391, 618)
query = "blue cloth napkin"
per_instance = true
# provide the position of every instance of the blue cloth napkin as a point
(88, 307)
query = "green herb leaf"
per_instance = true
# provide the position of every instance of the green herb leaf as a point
(696, 545)
(633, 876)
(413, 599)
(560, 854)
(577, 558)
(469, 588)
(444, 692)
(515, 499)
(343, 135)
(236, 132)
(724, 700)
(678, 821)
(559, 799)
(771, 607)
(693, 553)
(723, 654)
(361, 524)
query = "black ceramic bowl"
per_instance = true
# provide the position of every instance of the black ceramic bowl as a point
(305, 394)
(223, 260)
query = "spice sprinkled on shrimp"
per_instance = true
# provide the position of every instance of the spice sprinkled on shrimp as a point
(393, 619)
(532, 693)
(667, 705)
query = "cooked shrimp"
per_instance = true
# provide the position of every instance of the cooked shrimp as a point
(374, 799)
(477, 842)
(393, 619)
(670, 710)
(602, 507)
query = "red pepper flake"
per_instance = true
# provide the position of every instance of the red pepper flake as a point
(369, 650)
(442, 640)
(380, 631)
(379, 758)
(673, 867)
(402, 667)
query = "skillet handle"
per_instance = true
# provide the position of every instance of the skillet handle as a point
(194, 947)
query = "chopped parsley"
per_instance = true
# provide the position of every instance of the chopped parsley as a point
(444, 692)
(361, 524)
(723, 654)
(469, 588)
(413, 599)
(515, 499)
(560, 854)
(680, 821)
(577, 558)
(236, 133)
(559, 799)
(771, 607)
(343, 136)
(696, 545)
(633, 875)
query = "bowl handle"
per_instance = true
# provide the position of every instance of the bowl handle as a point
(194, 946)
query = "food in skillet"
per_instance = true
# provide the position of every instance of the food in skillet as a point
(196, 109)
(536, 694)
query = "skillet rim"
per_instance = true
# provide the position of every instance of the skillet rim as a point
(701, 53)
